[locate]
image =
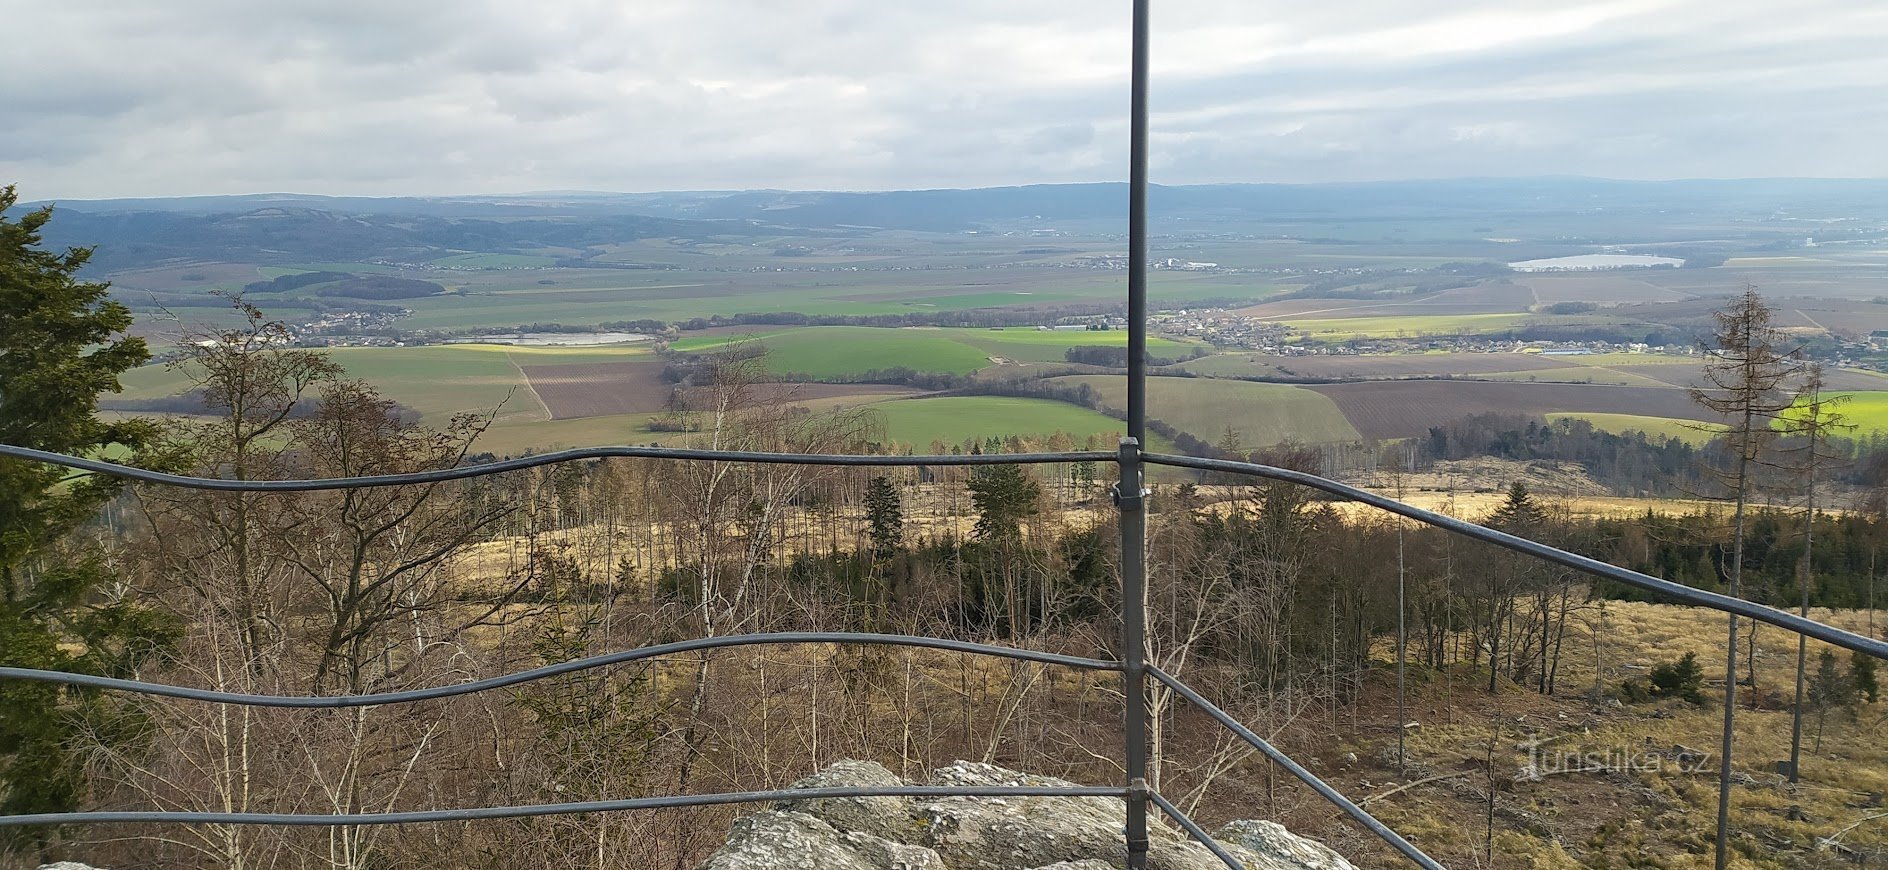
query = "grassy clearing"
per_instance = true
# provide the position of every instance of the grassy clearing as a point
(1261, 414)
(1688, 431)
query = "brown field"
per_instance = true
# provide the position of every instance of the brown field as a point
(1403, 410)
(599, 389)
(1418, 365)
(1693, 376)
(1492, 297)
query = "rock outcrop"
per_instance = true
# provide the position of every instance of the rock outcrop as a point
(956, 833)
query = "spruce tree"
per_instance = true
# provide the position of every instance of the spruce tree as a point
(62, 343)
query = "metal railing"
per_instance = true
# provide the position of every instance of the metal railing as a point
(1130, 501)
(1130, 495)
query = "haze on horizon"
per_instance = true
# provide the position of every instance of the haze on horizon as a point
(398, 97)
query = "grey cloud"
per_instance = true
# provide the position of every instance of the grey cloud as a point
(418, 97)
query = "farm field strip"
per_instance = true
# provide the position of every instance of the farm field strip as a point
(1407, 409)
(954, 419)
(839, 351)
(1261, 414)
(1694, 432)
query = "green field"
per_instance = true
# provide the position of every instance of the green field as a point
(1688, 431)
(953, 419)
(1261, 414)
(838, 351)
(1865, 410)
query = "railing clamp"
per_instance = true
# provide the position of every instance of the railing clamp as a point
(1126, 502)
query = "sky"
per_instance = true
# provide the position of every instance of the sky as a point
(402, 97)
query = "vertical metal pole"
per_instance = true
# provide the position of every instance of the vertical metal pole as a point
(1130, 492)
(1137, 233)
(1130, 497)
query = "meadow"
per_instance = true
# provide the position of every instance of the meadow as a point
(1261, 414)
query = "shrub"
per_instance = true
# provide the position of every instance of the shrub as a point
(1680, 679)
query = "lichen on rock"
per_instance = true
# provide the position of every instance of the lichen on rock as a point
(967, 833)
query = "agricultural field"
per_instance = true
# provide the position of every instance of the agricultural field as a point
(1386, 409)
(599, 389)
(842, 351)
(1261, 414)
(1369, 366)
(1867, 411)
(1421, 325)
(1694, 432)
(954, 419)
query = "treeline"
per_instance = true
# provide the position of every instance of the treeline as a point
(1630, 463)
(1689, 549)
(295, 281)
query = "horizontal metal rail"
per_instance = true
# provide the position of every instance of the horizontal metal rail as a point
(1193, 828)
(461, 472)
(1362, 816)
(526, 810)
(512, 679)
(1676, 591)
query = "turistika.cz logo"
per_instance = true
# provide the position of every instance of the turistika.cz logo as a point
(1543, 761)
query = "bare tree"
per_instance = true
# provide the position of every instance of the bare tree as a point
(1745, 373)
(1813, 420)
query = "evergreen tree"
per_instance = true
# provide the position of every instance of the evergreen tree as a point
(884, 514)
(1862, 674)
(62, 343)
(1004, 495)
(1829, 688)
(1681, 679)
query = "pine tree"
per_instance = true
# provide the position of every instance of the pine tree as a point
(62, 343)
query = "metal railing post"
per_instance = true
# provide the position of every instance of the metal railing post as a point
(1130, 496)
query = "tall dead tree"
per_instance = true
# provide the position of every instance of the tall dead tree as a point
(1813, 420)
(1745, 376)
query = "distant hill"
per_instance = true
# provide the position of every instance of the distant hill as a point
(291, 228)
(284, 234)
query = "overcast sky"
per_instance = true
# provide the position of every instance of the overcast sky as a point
(404, 97)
